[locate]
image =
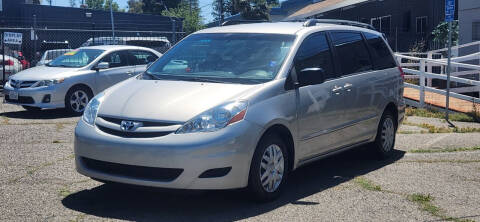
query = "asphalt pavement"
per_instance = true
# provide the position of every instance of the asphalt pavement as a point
(38, 182)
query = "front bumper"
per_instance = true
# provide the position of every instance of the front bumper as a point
(194, 153)
(34, 96)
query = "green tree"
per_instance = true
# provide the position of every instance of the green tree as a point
(95, 4)
(440, 33)
(252, 9)
(157, 6)
(227, 7)
(73, 3)
(135, 6)
(115, 6)
(192, 19)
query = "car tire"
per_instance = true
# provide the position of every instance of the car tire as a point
(385, 140)
(77, 99)
(32, 108)
(267, 178)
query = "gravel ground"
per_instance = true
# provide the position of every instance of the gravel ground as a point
(38, 183)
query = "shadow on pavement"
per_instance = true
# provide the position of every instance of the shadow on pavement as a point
(42, 114)
(145, 204)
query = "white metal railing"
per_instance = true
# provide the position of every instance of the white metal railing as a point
(425, 73)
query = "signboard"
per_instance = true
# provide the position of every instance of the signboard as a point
(12, 38)
(449, 10)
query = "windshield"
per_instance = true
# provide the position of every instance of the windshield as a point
(238, 58)
(76, 58)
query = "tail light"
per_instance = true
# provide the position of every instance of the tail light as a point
(402, 73)
(9, 62)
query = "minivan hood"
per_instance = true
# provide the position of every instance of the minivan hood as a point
(177, 101)
(44, 73)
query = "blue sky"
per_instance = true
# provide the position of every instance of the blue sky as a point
(206, 11)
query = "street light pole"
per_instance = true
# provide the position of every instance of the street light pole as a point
(113, 24)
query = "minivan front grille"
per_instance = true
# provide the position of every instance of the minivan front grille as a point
(125, 134)
(132, 171)
(147, 129)
(145, 123)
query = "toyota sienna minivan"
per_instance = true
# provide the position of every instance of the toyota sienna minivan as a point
(243, 106)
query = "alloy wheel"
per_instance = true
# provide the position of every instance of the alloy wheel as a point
(78, 101)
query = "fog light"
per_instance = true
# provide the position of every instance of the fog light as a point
(46, 99)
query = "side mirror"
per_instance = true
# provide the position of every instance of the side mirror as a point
(310, 76)
(102, 65)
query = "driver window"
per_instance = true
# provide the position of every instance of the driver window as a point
(315, 53)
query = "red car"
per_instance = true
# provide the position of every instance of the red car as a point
(21, 58)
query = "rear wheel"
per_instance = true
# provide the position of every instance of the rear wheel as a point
(269, 168)
(77, 99)
(385, 139)
(32, 108)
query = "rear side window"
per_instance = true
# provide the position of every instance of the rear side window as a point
(315, 53)
(141, 57)
(381, 55)
(352, 53)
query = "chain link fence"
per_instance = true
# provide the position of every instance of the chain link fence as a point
(39, 46)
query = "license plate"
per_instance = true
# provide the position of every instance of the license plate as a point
(13, 95)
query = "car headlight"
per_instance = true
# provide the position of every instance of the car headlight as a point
(216, 118)
(47, 82)
(90, 113)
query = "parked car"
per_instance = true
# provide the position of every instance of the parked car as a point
(21, 58)
(12, 66)
(71, 80)
(160, 44)
(50, 45)
(244, 105)
(50, 55)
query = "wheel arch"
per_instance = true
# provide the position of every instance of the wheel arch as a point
(392, 108)
(287, 137)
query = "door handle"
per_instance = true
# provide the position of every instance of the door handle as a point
(336, 90)
(130, 73)
(348, 87)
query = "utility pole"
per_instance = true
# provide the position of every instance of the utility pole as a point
(113, 24)
(449, 17)
(221, 12)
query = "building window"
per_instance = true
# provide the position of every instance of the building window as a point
(476, 31)
(422, 25)
(382, 24)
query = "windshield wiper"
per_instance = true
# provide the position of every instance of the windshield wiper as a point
(152, 76)
(200, 79)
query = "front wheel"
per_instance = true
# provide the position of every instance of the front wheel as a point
(77, 99)
(385, 139)
(269, 168)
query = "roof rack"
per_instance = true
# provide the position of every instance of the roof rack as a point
(313, 22)
(237, 22)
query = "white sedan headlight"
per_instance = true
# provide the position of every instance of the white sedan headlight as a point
(216, 118)
(90, 113)
(47, 82)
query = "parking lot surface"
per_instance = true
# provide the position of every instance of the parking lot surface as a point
(424, 181)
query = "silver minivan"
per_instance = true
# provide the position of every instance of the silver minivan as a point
(244, 105)
(72, 79)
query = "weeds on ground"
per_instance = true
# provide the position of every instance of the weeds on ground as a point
(460, 117)
(434, 129)
(366, 184)
(445, 150)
